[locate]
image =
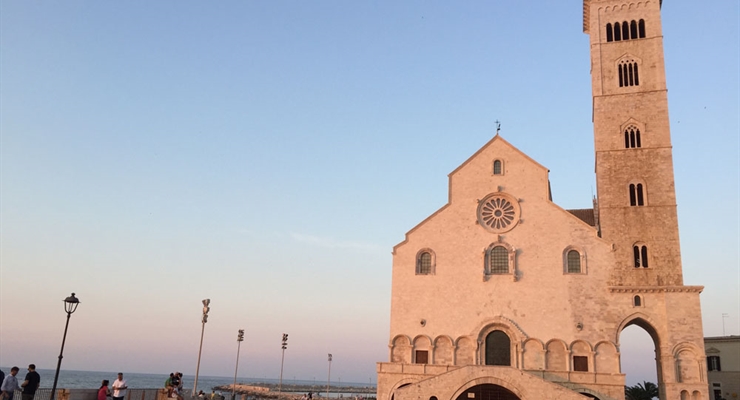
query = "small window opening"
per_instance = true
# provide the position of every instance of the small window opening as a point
(637, 301)
(640, 255)
(625, 31)
(422, 357)
(713, 363)
(633, 30)
(641, 27)
(574, 262)
(499, 260)
(617, 32)
(497, 167)
(425, 263)
(609, 33)
(633, 195)
(640, 199)
(580, 363)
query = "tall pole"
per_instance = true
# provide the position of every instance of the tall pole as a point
(328, 378)
(239, 339)
(206, 302)
(282, 361)
(70, 305)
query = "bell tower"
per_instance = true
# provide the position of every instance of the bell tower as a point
(634, 163)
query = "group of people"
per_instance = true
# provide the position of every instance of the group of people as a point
(10, 383)
(173, 384)
(119, 389)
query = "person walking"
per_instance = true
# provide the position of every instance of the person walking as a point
(104, 391)
(31, 383)
(10, 384)
(119, 387)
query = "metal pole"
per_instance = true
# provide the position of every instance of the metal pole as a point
(197, 368)
(59, 363)
(239, 339)
(328, 378)
(280, 388)
(203, 320)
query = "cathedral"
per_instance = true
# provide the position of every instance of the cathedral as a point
(503, 295)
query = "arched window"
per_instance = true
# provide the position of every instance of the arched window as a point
(637, 196)
(641, 28)
(425, 262)
(498, 349)
(640, 255)
(633, 29)
(625, 31)
(637, 301)
(617, 32)
(609, 33)
(497, 167)
(574, 262)
(498, 260)
(632, 138)
(628, 73)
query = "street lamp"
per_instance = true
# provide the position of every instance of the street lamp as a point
(328, 378)
(70, 306)
(282, 361)
(239, 340)
(206, 302)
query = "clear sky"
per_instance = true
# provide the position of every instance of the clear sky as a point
(269, 154)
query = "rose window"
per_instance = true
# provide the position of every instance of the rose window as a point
(498, 213)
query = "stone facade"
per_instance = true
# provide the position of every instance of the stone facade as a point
(503, 294)
(723, 364)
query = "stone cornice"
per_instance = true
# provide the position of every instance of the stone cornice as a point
(655, 289)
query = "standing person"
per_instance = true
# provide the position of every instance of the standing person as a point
(31, 383)
(119, 387)
(104, 391)
(10, 384)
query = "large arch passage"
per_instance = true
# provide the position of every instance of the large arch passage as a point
(487, 391)
(639, 353)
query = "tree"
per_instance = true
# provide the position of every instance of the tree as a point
(641, 391)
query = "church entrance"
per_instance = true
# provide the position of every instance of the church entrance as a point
(487, 391)
(498, 349)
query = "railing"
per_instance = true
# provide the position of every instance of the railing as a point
(90, 394)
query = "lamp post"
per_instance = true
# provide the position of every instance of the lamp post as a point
(282, 361)
(328, 378)
(70, 306)
(239, 340)
(206, 302)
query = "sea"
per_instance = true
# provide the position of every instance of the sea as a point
(69, 379)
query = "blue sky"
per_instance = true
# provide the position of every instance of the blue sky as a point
(268, 155)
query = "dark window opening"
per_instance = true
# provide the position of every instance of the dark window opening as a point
(422, 357)
(497, 167)
(425, 264)
(640, 198)
(641, 27)
(609, 33)
(580, 363)
(499, 260)
(640, 255)
(713, 363)
(633, 30)
(638, 301)
(625, 31)
(574, 262)
(628, 74)
(633, 198)
(498, 349)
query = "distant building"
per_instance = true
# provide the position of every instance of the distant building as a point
(503, 295)
(723, 366)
